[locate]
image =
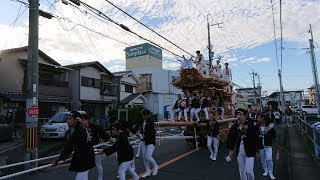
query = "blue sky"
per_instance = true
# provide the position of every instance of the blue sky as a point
(246, 40)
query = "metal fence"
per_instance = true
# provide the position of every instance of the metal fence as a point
(312, 134)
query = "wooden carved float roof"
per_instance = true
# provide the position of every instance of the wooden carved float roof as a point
(192, 79)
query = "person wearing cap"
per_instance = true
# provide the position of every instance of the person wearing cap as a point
(148, 136)
(97, 133)
(243, 141)
(124, 151)
(267, 136)
(80, 142)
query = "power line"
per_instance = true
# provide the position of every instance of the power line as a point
(15, 21)
(147, 27)
(102, 15)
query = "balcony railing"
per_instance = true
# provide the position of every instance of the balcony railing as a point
(55, 83)
(145, 86)
(108, 90)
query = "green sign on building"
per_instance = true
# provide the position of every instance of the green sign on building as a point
(143, 49)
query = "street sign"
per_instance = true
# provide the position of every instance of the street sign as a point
(33, 111)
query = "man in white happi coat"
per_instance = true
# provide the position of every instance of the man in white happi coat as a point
(200, 63)
(217, 69)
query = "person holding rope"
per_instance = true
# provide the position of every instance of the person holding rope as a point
(148, 136)
(267, 136)
(80, 142)
(243, 141)
(97, 133)
(124, 151)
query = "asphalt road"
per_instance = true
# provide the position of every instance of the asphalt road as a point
(178, 160)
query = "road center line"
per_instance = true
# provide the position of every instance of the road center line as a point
(172, 161)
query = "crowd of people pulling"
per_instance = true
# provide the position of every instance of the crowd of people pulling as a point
(249, 137)
(83, 136)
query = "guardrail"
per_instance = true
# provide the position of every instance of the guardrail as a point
(312, 134)
(134, 142)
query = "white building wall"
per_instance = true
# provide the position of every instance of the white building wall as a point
(90, 93)
(131, 80)
(142, 61)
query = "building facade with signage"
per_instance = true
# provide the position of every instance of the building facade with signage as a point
(143, 55)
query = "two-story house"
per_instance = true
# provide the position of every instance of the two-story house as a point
(94, 88)
(129, 94)
(54, 89)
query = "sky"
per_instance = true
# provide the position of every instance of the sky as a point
(245, 40)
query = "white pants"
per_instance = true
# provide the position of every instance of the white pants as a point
(266, 159)
(82, 175)
(185, 113)
(246, 165)
(205, 110)
(172, 112)
(147, 151)
(126, 166)
(139, 148)
(215, 141)
(98, 159)
(195, 112)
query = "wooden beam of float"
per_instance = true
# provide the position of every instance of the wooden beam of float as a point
(188, 123)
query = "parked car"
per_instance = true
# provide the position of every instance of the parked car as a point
(309, 109)
(57, 126)
(315, 124)
(317, 127)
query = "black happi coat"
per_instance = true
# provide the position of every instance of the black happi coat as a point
(267, 135)
(81, 143)
(126, 127)
(250, 139)
(195, 103)
(97, 133)
(213, 128)
(123, 149)
(148, 133)
(204, 103)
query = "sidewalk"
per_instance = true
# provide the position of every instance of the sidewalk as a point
(300, 161)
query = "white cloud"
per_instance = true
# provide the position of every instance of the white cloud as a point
(246, 24)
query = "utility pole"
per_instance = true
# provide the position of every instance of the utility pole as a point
(254, 87)
(282, 107)
(259, 87)
(314, 70)
(209, 41)
(32, 111)
(282, 101)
